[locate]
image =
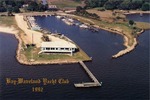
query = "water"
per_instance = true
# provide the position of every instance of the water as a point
(137, 17)
(125, 78)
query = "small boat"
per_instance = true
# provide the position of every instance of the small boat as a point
(83, 26)
(67, 22)
(77, 24)
(93, 29)
(70, 20)
(58, 17)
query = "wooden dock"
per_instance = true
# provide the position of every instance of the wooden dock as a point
(88, 84)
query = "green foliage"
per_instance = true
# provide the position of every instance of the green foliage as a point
(112, 4)
(11, 5)
(34, 6)
(131, 22)
(16, 9)
(101, 9)
(45, 38)
(136, 4)
(86, 14)
(14, 5)
(95, 3)
(146, 6)
(125, 5)
(118, 4)
(9, 9)
(3, 9)
(79, 9)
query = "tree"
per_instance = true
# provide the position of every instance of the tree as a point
(112, 4)
(3, 9)
(146, 6)
(109, 6)
(125, 5)
(116, 4)
(41, 7)
(9, 11)
(33, 6)
(16, 9)
(131, 22)
(136, 4)
(79, 8)
(19, 3)
(10, 2)
(95, 3)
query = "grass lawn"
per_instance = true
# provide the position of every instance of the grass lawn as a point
(31, 52)
(66, 3)
(105, 15)
(143, 25)
(7, 20)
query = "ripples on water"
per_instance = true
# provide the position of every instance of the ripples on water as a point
(125, 78)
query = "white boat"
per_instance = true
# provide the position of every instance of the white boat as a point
(58, 17)
(63, 20)
(83, 26)
(77, 24)
(67, 22)
(70, 20)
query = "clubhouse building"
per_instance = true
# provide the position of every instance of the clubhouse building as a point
(58, 47)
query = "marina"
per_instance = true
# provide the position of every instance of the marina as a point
(64, 18)
(32, 24)
(67, 21)
(74, 49)
(124, 78)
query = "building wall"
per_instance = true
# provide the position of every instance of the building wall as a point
(47, 49)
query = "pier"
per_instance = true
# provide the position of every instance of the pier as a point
(88, 84)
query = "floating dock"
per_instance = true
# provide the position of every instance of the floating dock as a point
(88, 84)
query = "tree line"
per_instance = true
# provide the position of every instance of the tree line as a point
(15, 5)
(119, 4)
(10, 5)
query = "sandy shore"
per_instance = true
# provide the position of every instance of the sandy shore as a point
(137, 12)
(30, 33)
(27, 38)
(9, 30)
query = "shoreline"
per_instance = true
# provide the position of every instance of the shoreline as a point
(19, 48)
(8, 30)
(128, 48)
(21, 58)
(126, 40)
(136, 12)
(29, 63)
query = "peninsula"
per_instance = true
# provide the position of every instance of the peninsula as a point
(28, 52)
(31, 39)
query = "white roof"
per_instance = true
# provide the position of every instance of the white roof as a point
(58, 44)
